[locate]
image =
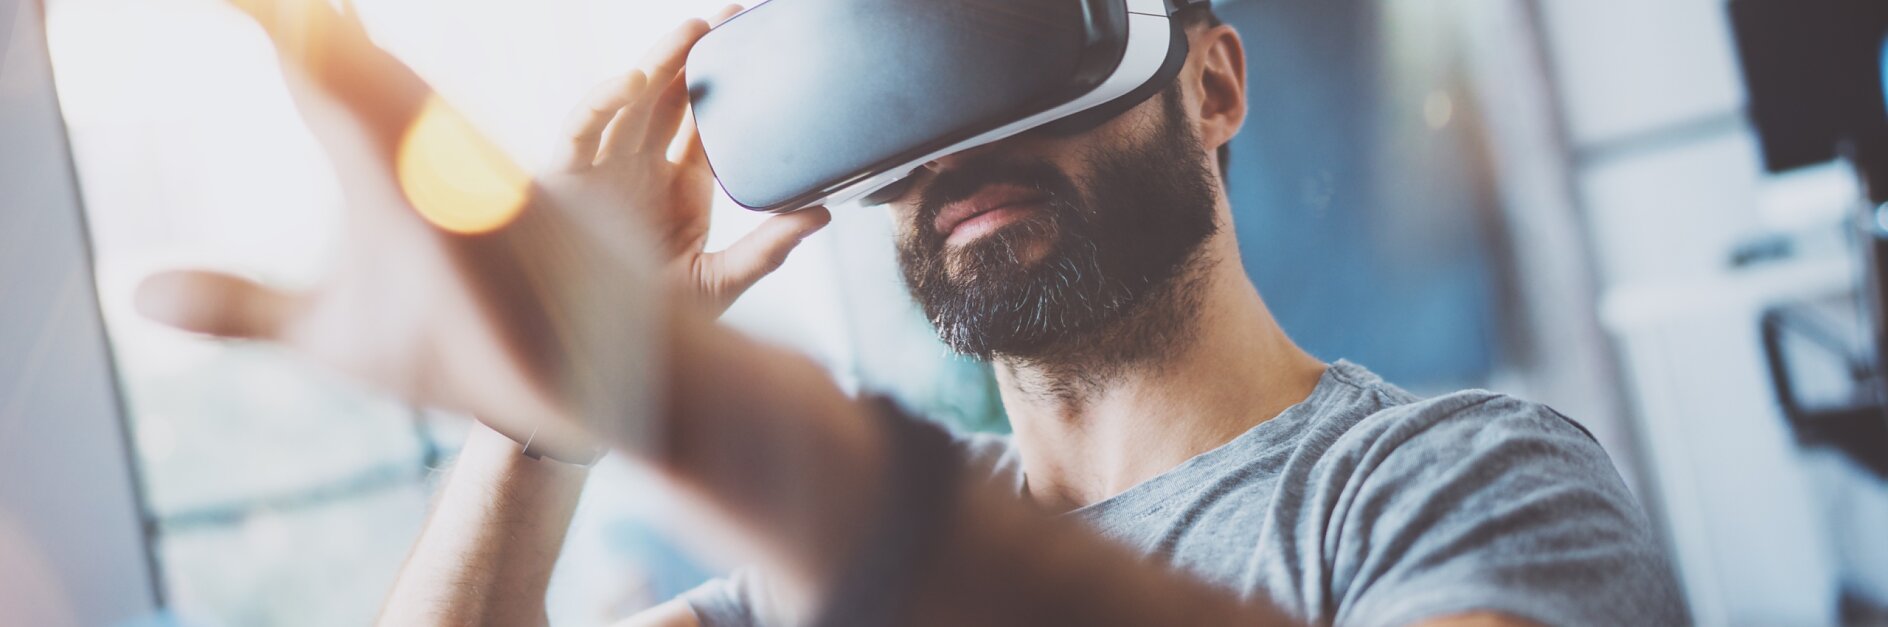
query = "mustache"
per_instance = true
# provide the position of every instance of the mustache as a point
(965, 181)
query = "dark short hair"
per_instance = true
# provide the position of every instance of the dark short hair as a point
(1202, 16)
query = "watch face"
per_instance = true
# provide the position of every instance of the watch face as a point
(797, 99)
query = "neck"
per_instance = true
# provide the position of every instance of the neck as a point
(1092, 425)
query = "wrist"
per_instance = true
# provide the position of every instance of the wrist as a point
(487, 446)
(490, 475)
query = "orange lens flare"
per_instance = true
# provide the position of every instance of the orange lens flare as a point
(457, 179)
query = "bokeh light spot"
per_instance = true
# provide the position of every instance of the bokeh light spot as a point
(457, 179)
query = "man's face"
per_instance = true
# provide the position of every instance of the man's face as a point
(1031, 246)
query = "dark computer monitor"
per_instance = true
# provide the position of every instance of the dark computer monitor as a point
(1813, 76)
(73, 547)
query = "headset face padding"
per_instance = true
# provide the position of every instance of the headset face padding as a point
(808, 102)
(1162, 79)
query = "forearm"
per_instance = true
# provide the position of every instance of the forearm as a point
(766, 439)
(486, 554)
(765, 435)
(1004, 563)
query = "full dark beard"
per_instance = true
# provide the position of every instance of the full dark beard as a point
(1115, 283)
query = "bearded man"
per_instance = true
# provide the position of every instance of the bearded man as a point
(1176, 459)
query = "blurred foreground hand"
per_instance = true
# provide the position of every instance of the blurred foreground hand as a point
(465, 283)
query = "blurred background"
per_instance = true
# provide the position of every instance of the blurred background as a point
(1564, 200)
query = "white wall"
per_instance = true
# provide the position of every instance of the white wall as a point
(1668, 184)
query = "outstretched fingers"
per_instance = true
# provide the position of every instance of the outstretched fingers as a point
(639, 118)
(333, 51)
(665, 60)
(217, 304)
(683, 145)
(689, 152)
(642, 111)
(585, 132)
(665, 118)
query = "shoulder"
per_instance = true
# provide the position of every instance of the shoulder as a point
(1386, 423)
(1401, 460)
(1478, 501)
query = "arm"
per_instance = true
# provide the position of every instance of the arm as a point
(500, 520)
(820, 459)
(486, 554)
(797, 463)
(488, 547)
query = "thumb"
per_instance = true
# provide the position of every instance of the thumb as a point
(763, 250)
(215, 304)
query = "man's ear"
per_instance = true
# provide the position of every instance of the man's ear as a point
(1220, 82)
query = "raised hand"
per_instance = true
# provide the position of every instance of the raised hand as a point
(632, 144)
(465, 284)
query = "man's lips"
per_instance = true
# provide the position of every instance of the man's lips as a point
(987, 211)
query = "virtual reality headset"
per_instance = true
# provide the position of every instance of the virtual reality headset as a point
(822, 102)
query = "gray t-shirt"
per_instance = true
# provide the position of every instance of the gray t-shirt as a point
(1365, 505)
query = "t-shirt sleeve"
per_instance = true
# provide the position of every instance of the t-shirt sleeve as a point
(741, 599)
(1496, 505)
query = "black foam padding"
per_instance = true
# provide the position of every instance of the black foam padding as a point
(1087, 120)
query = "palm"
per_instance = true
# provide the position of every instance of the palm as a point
(524, 300)
(537, 306)
(694, 194)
